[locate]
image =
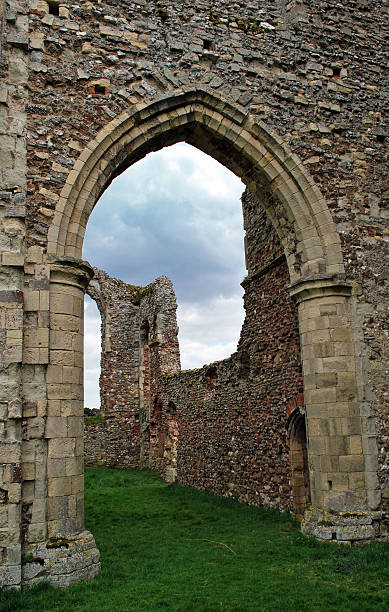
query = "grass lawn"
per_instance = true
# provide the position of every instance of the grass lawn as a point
(166, 547)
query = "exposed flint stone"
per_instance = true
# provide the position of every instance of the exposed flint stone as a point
(10, 576)
(18, 40)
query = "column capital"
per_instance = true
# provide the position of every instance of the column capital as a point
(316, 287)
(71, 271)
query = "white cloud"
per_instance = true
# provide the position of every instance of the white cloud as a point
(92, 352)
(209, 331)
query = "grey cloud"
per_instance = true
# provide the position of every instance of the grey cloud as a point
(175, 213)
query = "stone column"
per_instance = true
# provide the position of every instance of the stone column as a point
(338, 465)
(68, 554)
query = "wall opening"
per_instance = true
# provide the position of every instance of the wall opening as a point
(92, 354)
(177, 213)
(299, 465)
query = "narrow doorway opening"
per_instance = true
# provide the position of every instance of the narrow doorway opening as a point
(299, 466)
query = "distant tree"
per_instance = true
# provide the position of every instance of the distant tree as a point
(91, 411)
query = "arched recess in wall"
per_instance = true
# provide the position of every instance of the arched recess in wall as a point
(260, 158)
(299, 469)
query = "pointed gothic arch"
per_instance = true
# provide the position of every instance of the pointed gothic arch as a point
(248, 148)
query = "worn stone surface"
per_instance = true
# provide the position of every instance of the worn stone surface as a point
(62, 560)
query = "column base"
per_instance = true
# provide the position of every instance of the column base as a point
(344, 527)
(61, 561)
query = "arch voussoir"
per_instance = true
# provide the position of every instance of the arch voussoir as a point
(254, 152)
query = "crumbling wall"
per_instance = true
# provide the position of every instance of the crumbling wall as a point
(119, 378)
(138, 343)
(222, 427)
(232, 415)
(313, 72)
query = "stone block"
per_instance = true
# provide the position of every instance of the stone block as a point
(356, 480)
(54, 408)
(337, 445)
(72, 506)
(321, 396)
(64, 391)
(56, 427)
(62, 303)
(56, 468)
(14, 492)
(325, 379)
(37, 41)
(72, 375)
(79, 447)
(61, 447)
(77, 483)
(36, 338)
(59, 487)
(57, 507)
(36, 532)
(31, 300)
(10, 452)
(28, 489)
(15, 409)
(54, 373)
(351, 463)
(28, 471)
(317, 445)
(75, 426)
(64, 322)
(14, 555)
(338, 410)
(12, 259)
(61, 340)
(74, 466)
(3, 517)
(9, 537)
(62, 357)
(72, 408)
(341, 334)
(35, 428)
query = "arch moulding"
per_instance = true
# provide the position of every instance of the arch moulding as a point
(258, 156)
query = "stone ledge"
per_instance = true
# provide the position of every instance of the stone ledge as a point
(319, 286)
(71, 271)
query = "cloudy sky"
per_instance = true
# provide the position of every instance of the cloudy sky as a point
(176, 213)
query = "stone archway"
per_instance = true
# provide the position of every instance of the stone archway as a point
(259, 157)
(338, 453)
(311, 244)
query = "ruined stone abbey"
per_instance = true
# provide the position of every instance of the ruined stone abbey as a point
(290, 96)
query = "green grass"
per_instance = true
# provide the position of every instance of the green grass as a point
(166, 547)
(93, 421)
